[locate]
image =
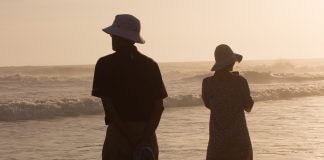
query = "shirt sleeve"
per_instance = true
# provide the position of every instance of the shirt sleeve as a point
(159, 91)
(100, 81)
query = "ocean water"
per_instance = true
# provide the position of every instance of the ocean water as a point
(47, 112)
(280, 130)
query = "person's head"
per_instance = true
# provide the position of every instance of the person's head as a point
(118, 43)
(225, 58)
(124, 31)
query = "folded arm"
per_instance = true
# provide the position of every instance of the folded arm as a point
(119, 123)
(248, 101)
(205, 94)
(154, 119)
(248, 107)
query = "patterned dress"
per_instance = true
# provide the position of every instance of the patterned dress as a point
(226, 94)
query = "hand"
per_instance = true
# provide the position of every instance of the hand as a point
(133, 140)
(248, 109)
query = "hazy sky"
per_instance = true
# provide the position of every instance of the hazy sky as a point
(55, 32)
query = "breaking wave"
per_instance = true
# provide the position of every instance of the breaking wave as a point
(44, 109)
(258, 95)
(267, 77)
(251, 76)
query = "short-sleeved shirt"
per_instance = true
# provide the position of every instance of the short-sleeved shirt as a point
(132, 81)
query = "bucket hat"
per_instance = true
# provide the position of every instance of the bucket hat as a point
(126, 26)
(224, 56)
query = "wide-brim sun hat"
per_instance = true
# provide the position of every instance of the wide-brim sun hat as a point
(126, 26)
(224, 56)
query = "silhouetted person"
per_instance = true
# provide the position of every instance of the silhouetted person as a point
(132, 92)
(227, 95)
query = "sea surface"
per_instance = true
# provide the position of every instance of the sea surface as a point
(46, 112)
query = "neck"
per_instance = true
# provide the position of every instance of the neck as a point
(222, 71)
(126, 48)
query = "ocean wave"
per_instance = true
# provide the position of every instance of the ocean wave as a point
(44, 109)
(17, 78)
(85, 80)
(67, 70)
(267, 77)
(266, 94)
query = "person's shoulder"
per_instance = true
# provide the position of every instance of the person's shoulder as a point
(208, 79)
(106, 59)
(147, 60)
(239, 77)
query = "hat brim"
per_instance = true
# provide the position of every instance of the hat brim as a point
(133, 36)
(232, 59)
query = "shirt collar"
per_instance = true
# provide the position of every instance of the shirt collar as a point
(130, 52)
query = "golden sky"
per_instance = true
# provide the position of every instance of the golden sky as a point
(56, 32)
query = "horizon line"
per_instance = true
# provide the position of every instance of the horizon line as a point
(161, 62)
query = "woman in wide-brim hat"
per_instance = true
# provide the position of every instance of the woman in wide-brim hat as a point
(227, 95)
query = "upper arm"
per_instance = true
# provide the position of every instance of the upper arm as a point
(247, 99)
(101, 80)
(97, 80)
(205, 93)
(158, 87)
(109, 110)
(158, 105)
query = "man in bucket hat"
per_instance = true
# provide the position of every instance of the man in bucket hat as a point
(132, 92)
